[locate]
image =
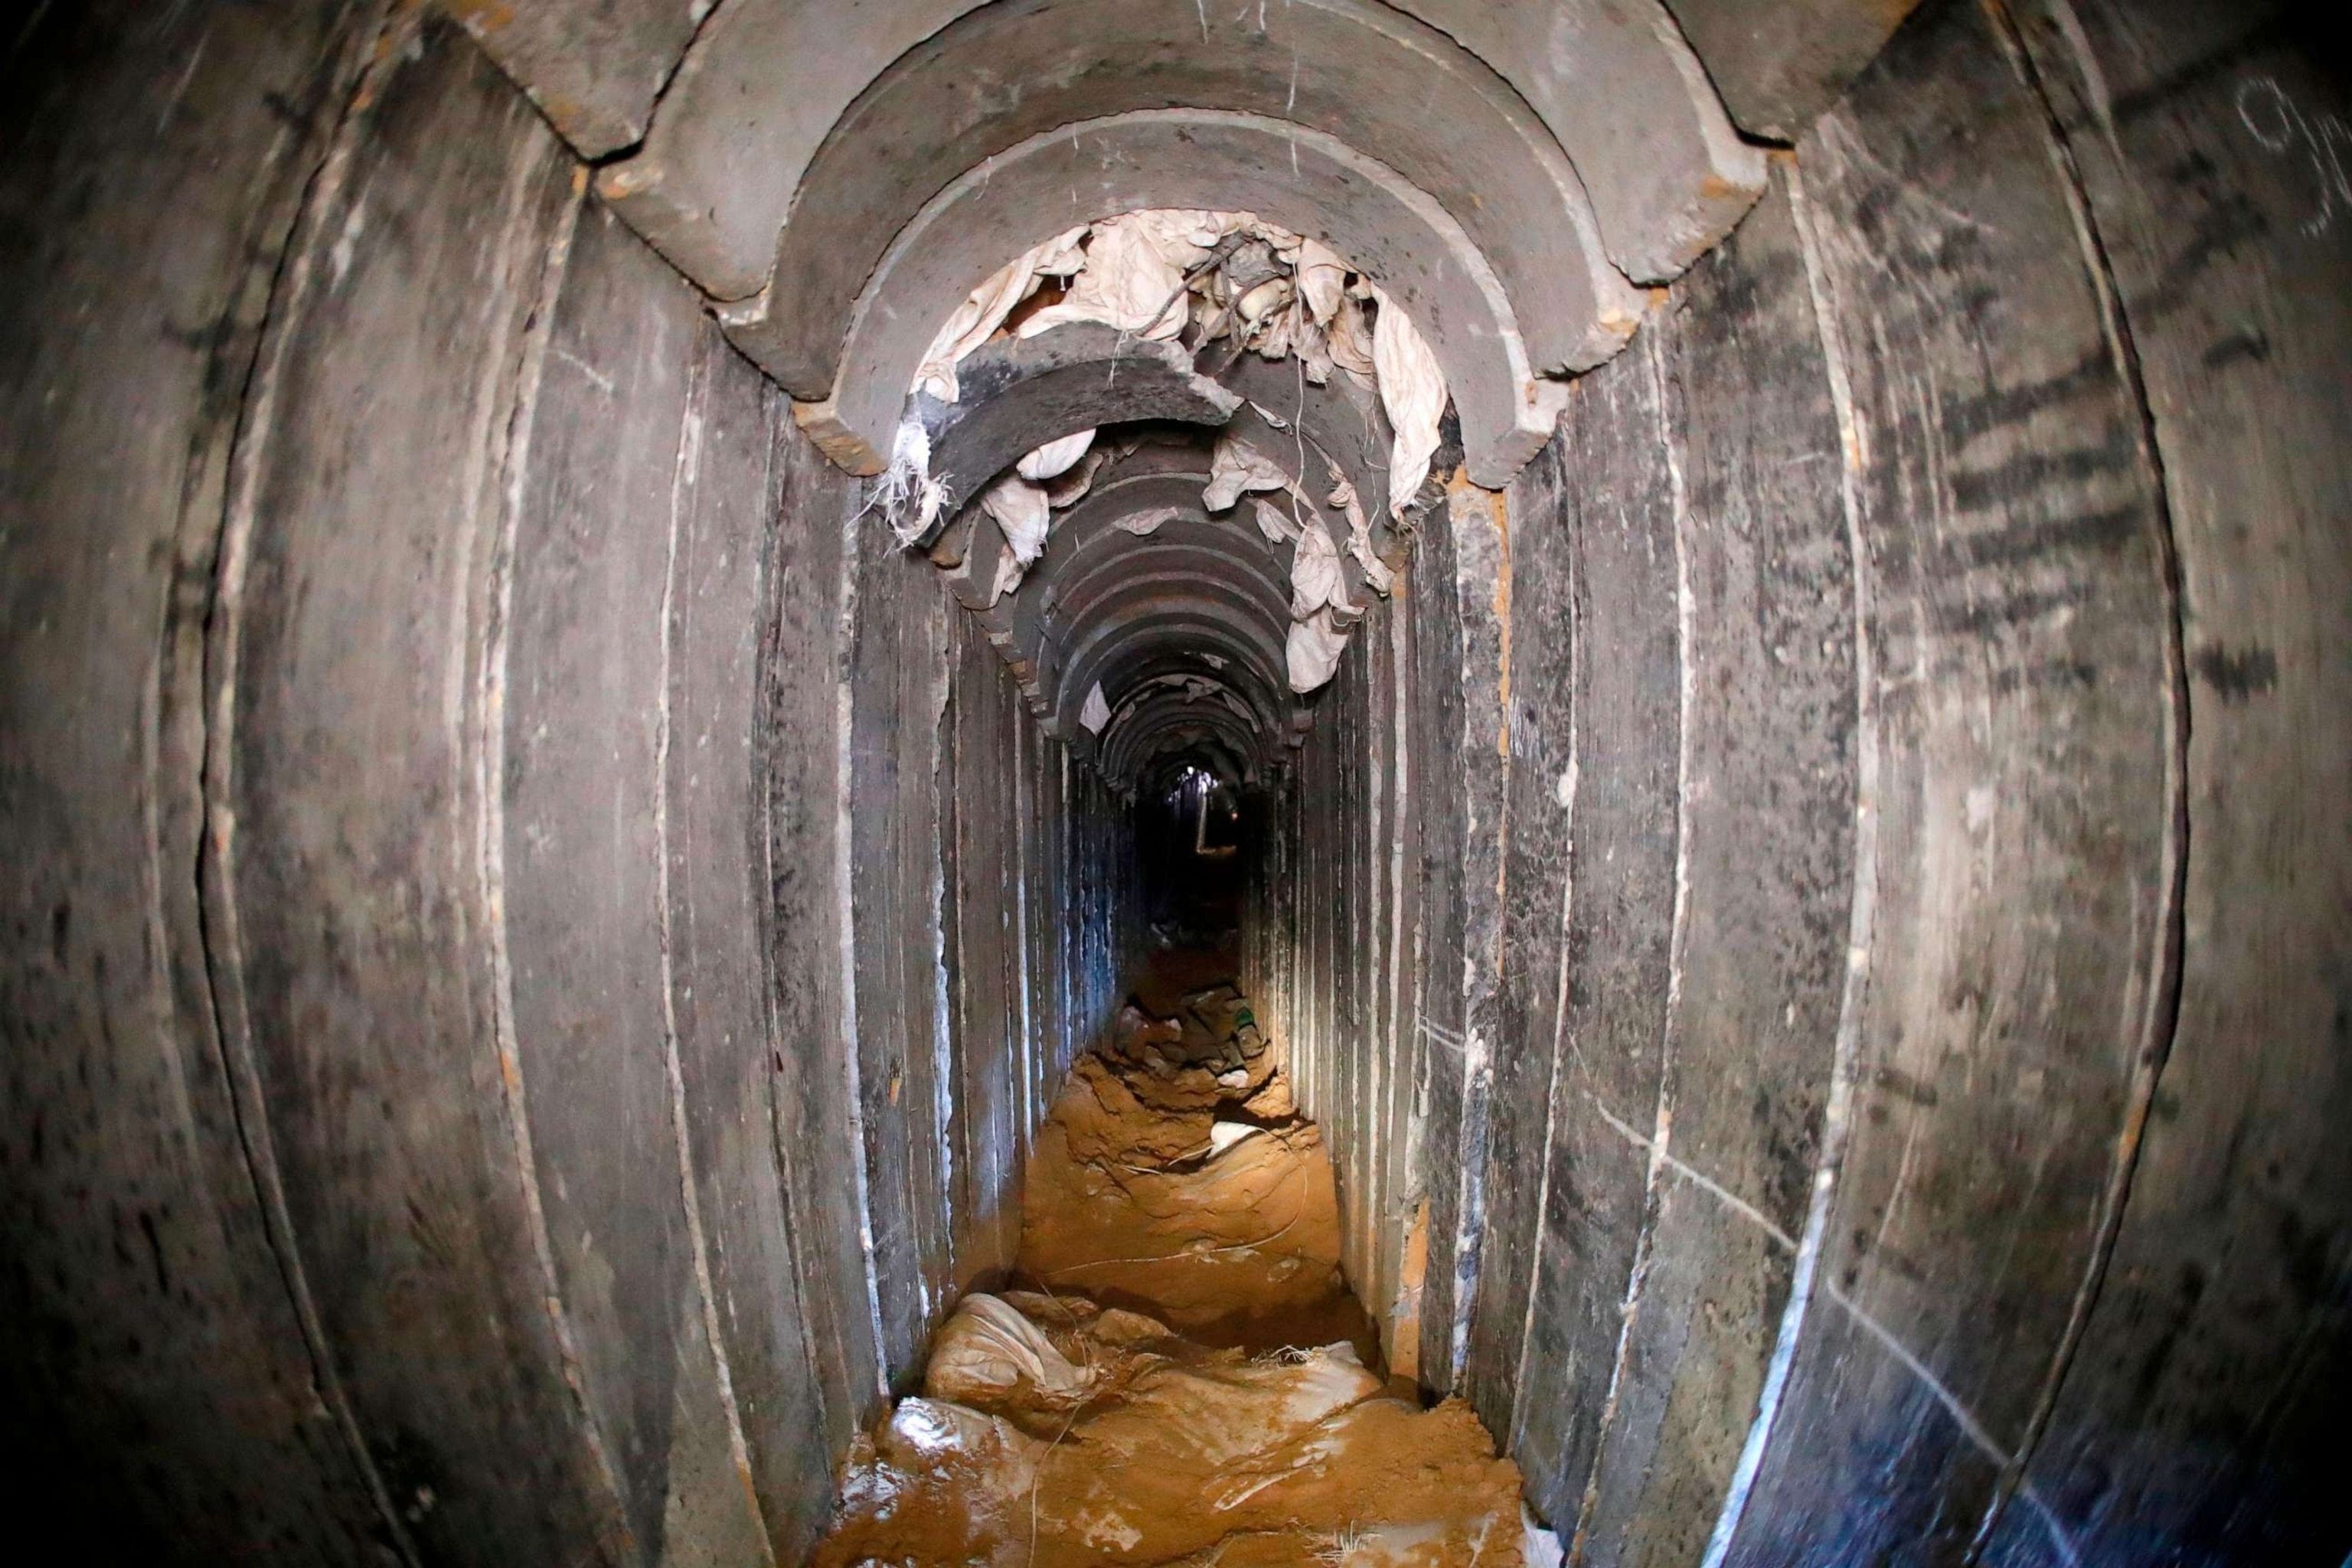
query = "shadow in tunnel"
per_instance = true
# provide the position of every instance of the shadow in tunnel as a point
(1195, 836)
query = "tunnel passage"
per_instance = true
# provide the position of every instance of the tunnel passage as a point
(1194, 843)
(1813, 916)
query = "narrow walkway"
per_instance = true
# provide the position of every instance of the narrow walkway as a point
(1188, 1381)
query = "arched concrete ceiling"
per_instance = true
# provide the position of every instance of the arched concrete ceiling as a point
(1173, 610)
(1018, 393)
(1105, 604)
(1168, 616)
(1126, 747)
(1152, 718)
(1089, 557)
(1149, 688)
(1154, 770)
(744, 118)
(1342, 421)
(1008, 72)
(1200, 546)
(1090, 528)
(1547, 151)
(1315, 184)
(1177, 582)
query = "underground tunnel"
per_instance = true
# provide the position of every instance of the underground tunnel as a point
(633, 636)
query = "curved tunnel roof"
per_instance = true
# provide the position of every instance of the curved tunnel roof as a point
(1395, 234)
(742, 126)
(932, 120)
(1508, 173)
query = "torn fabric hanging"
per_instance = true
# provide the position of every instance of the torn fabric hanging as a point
(1412, 393)
(1134, 277)
(984, 309)
(1359, 532)
(1312, 651)
(1055, 458)
(1316, 578)
(1235, 469)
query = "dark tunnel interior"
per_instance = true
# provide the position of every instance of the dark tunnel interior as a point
(1194, 845)
(627, 628)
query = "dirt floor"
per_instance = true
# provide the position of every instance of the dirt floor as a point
(1188, 1381)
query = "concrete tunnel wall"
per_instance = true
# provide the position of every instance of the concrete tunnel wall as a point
(617, 903)
(535, 941)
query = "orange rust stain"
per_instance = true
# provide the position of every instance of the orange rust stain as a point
(1716, 188)
(751, 1487)
(482, 15)
(1405, 1335)
(1498, 509)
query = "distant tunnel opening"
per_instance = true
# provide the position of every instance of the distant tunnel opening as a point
(1194, 838)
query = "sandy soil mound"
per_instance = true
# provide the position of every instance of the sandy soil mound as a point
(1097, 1437)
(1175, 1176)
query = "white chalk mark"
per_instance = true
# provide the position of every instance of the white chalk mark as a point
(195, 58)
(1696, 1177)
(1560, 1039)
(1962, 1416)
(845, 956)
(1959, 1413)
(2058, 1536)
(2291, 125)
(604, 382)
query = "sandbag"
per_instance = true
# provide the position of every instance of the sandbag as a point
(988, 1354)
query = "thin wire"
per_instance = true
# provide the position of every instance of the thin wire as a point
(1037, 1476)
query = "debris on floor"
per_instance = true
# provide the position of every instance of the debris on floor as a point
(1188, 1381)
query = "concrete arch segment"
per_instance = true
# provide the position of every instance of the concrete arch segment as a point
(1162, 682)
(1152, 691)
(1198, 544)
(1155, 615)
(1007, 72)
(1397, 234)
(1019, 393)
(1131, 742)
(1181, 575)
(1778, 67)
(712, 182)
(1091, 528)
(1251, 639)
(743, 119)
(1617, 83)
(1153, 724)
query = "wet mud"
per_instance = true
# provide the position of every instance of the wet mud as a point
(1182, 1376)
